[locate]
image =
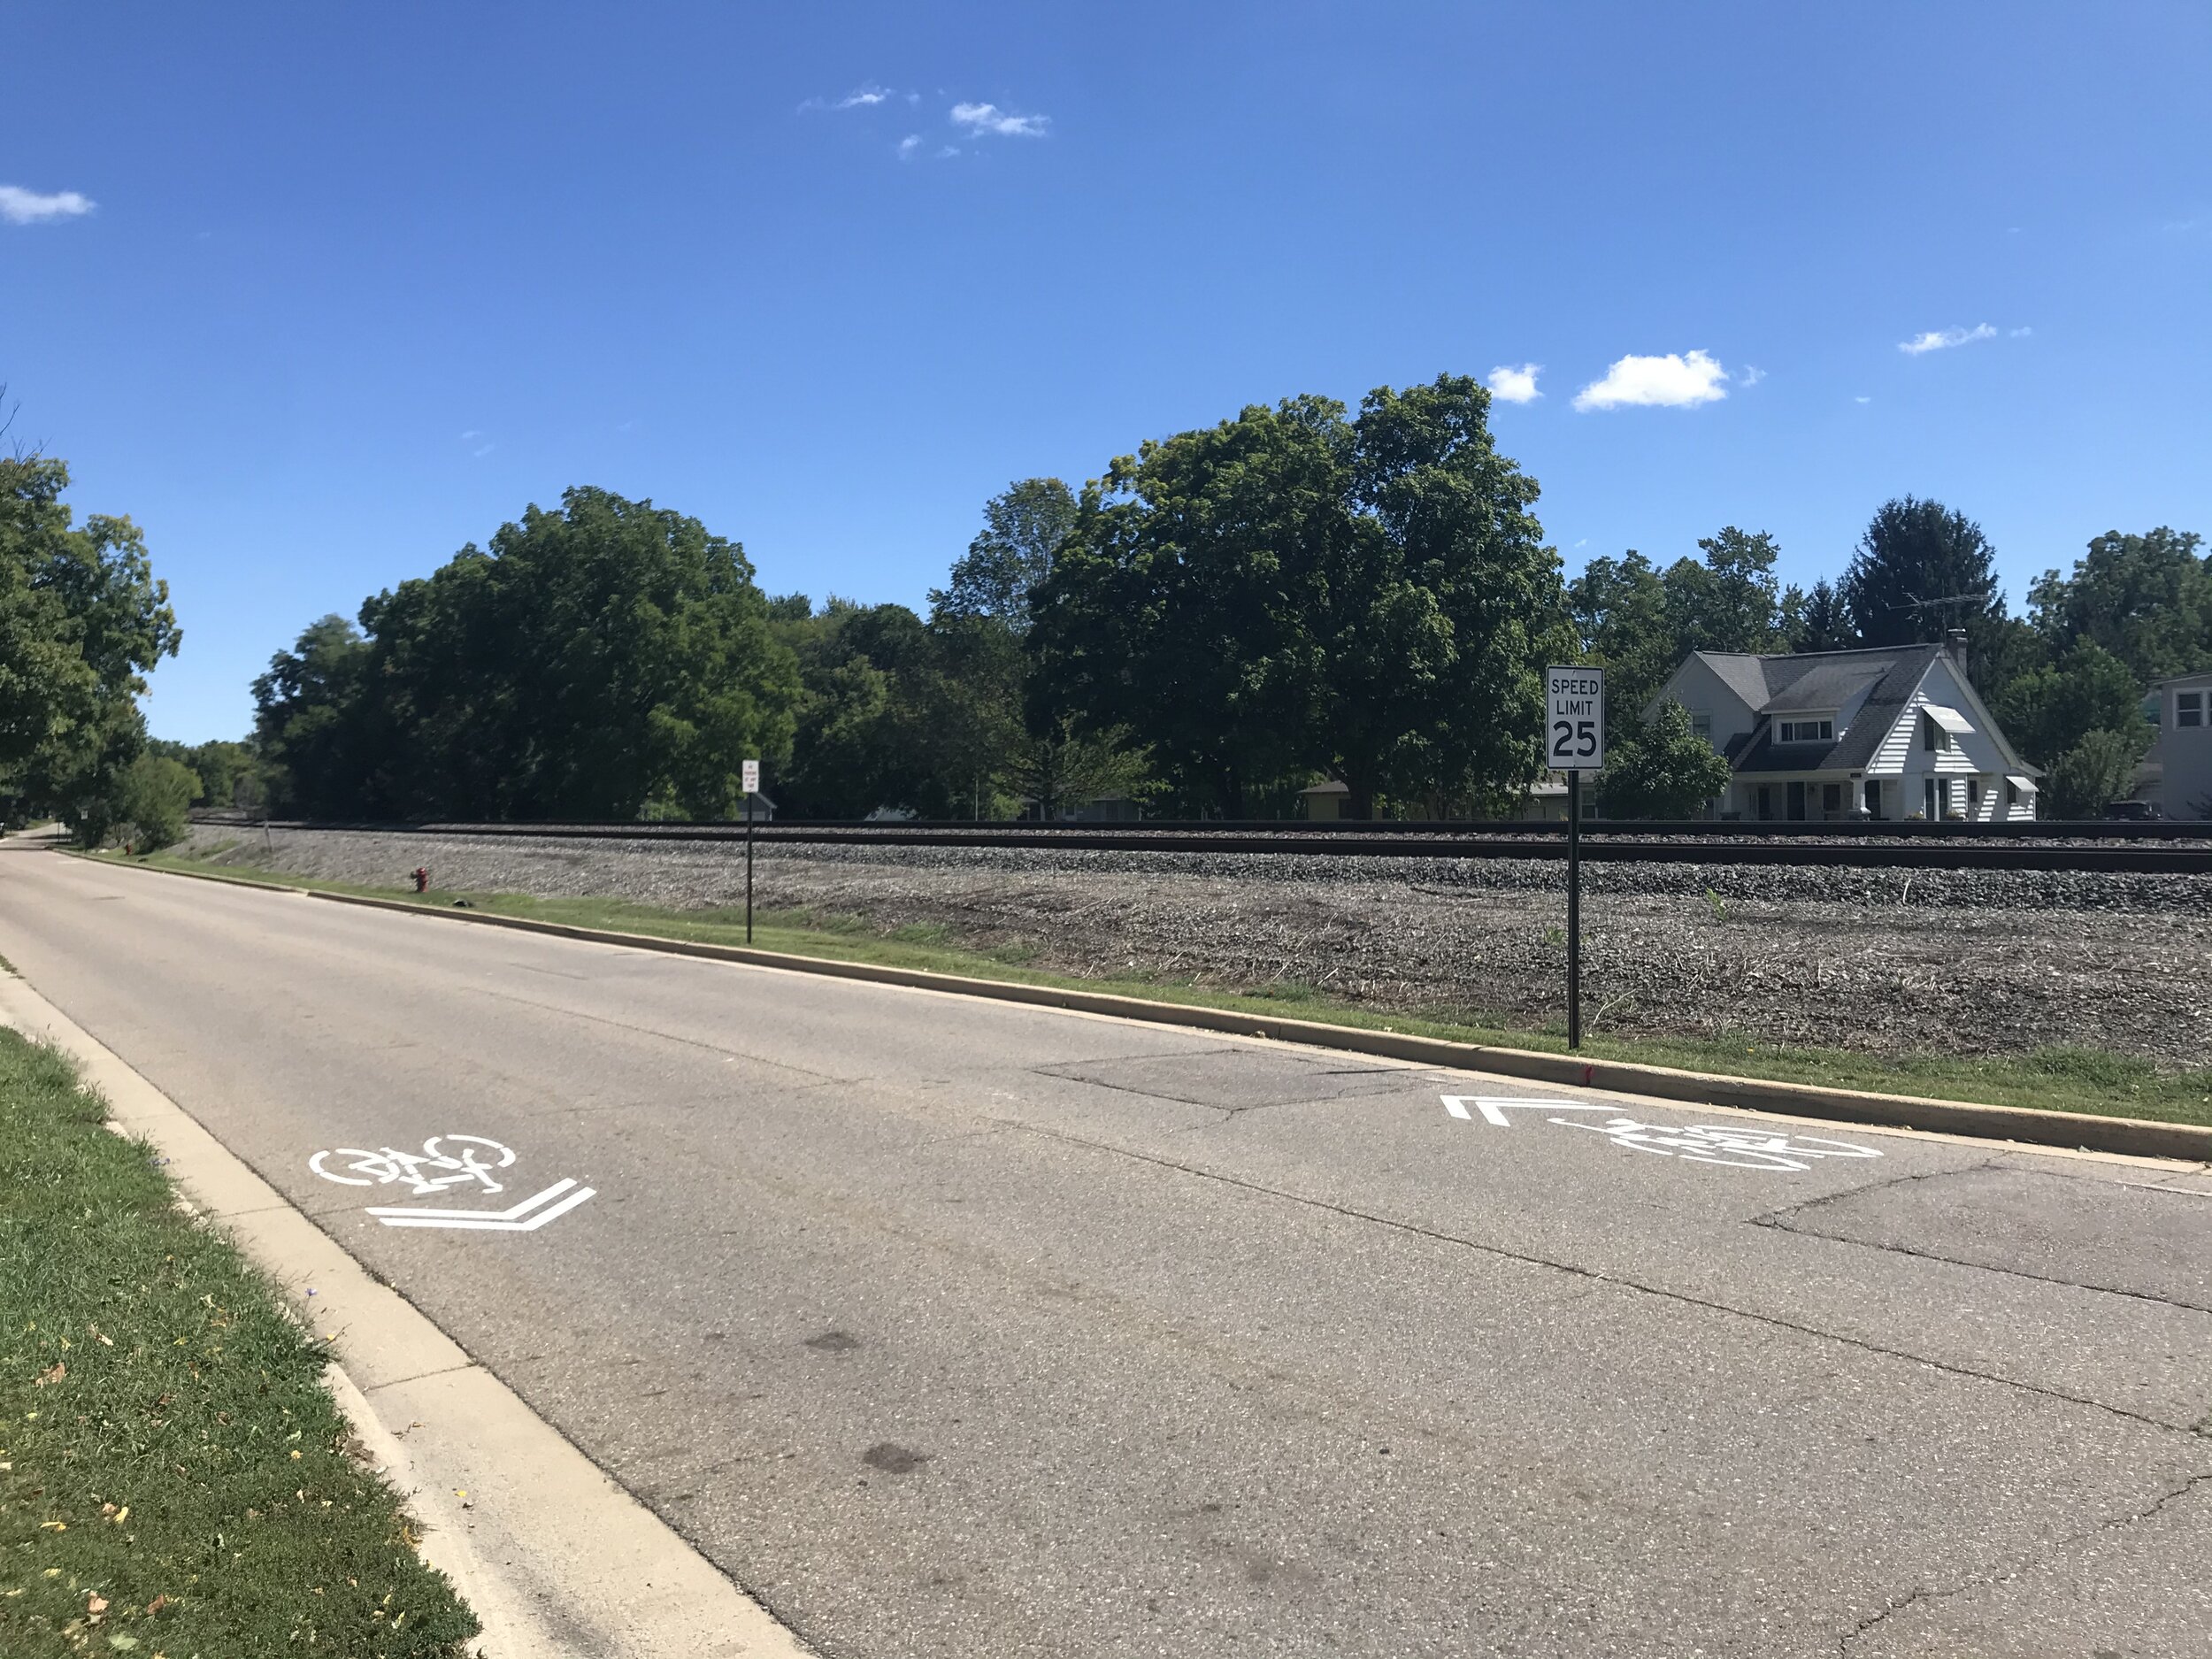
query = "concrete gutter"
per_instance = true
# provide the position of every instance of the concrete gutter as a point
(553, 1557)
(2129, 1137)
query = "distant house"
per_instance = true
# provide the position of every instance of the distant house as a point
(2177, 771)
(1894, 733)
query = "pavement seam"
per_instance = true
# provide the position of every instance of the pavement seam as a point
(442, 1371)
(1600, 1276)
(2025, 1563)
(1980, 1267)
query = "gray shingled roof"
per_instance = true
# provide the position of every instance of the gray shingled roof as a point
(1816, 681)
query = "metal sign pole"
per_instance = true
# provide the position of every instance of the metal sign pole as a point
(1574, 908)
(749, 776)
(1574, 742)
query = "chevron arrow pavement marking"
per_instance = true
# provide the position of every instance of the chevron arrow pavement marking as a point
(517, 1219)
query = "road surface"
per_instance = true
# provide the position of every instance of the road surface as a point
(953, 1328)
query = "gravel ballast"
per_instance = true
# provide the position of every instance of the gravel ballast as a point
(1953, 962)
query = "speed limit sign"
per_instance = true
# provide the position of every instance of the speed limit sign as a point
(1574, 729)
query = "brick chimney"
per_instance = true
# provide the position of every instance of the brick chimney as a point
(1954, 642)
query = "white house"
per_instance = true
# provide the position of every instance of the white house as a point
(2177, 771)
(1894, 733)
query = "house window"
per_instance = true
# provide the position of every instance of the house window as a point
(2189, 708)
(1973, 796)
(1830, 798)
(2012, 794)
(1702, 725)
(1873, 797)
(1807, 731)
(1766, 801)
(1931, 808)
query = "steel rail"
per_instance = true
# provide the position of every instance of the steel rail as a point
(1602, 843)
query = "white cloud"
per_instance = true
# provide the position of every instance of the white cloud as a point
(980, 118)
(1751, 376)
(948, 152)
(1510, 385)
(1670, 382)
(2018, 333)
(859, 98)
(908, 145)
(1862, 400)
(20, 206)
(1943, 338)
(471, 435)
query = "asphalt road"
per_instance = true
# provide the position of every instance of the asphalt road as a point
(956, 1328)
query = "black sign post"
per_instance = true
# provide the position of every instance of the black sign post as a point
(1574, 907)
(1574, 740)
(750, 776)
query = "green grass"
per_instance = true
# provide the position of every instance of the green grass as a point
(174, 1479)
(2054, 1079)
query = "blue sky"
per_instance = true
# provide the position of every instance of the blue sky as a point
(317, 294)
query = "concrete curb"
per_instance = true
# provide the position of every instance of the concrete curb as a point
(2127, 1137)
(553, 1557)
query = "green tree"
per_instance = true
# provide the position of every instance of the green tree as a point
(1297, 588)
(863, 673)
(587, 663)
(1022, 527)
(1621, 612)
(310, 724)
(82, 619)
(1660, 768)
(154, 800)
(1729, 600)
(2093, 773)
(1173, 610)
(2051, 710)
(1817, 620)
(1920, 570)
(2145, 599)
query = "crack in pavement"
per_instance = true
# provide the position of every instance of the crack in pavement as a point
(2033, 1559)
(1602, 1277)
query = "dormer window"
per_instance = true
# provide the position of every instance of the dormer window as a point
(1821, 730)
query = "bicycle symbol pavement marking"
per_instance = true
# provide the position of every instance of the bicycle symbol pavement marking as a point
(1736, 1146)
(446, 1161)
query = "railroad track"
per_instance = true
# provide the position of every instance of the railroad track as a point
(2119, 848)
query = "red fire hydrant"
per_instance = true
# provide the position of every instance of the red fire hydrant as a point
(422, 880)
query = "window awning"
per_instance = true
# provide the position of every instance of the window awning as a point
(2026, 785)
(1950, 719)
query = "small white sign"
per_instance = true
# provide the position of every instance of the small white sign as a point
(752, 770)
(1574, 728)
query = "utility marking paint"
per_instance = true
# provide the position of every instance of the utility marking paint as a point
(1735, 1145)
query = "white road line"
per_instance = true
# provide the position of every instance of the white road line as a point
(1493, 1106)
(462, 1221)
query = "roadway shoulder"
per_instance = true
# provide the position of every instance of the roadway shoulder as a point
(553, 1556)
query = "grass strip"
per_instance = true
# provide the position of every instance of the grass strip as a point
(2054, 1079)
(174, 1480)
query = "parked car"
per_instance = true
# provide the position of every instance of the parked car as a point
(2133, 812)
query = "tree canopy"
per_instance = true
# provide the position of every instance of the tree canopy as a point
(82, 619)
(1370, 596)
(588, 662)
